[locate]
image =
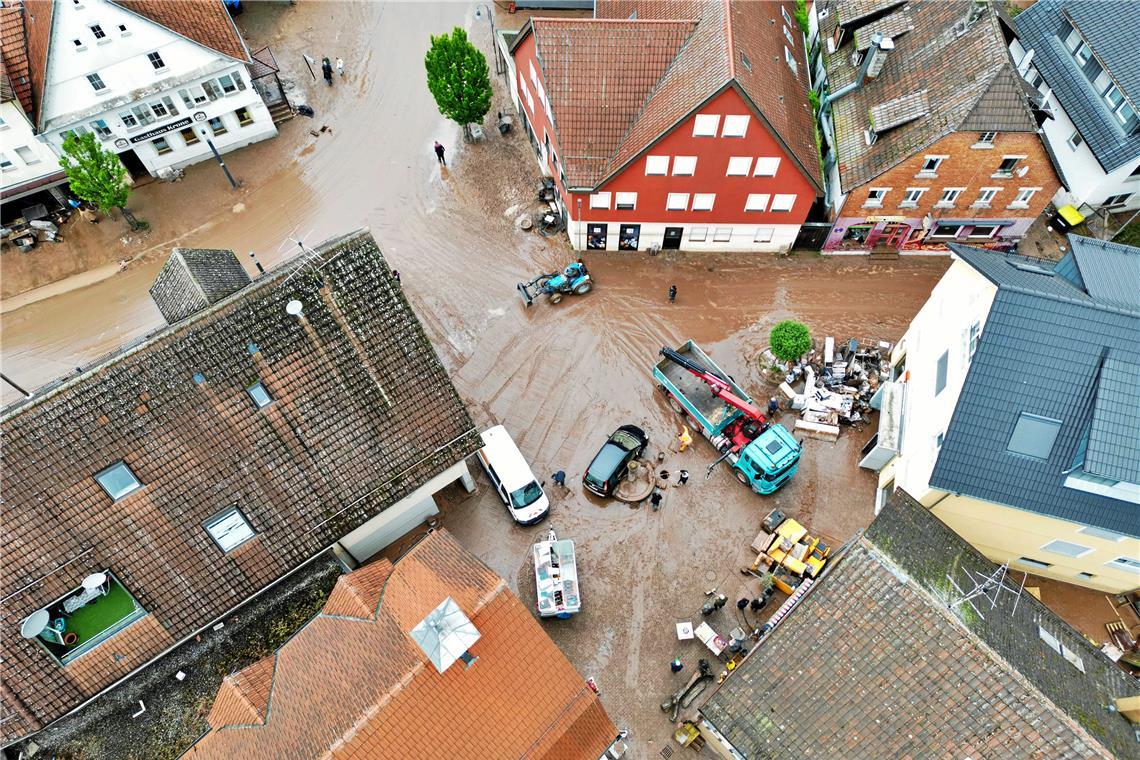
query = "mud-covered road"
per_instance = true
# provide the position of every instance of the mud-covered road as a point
(560, 378)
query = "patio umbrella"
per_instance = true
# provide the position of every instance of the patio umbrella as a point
(445, 634)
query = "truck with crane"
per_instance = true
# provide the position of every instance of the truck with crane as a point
(763, 456)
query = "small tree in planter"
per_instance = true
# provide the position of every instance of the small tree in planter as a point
(97, 175)
(790, 340)
(458, 78)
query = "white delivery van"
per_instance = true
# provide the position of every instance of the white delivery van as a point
(511, 476)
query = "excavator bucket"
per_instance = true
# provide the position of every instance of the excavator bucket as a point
(527, 298)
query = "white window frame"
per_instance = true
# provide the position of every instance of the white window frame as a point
(238, 532)
(739, 166)
(735, 125)
(1084, 549)
(91, 82)
(5, 162)
(917, 192)
(1102, 533)
(677, 202)
(986, 196)
(984, 141)
(949, 197)
(1075, 140)
(31, 159)
(787, 18)
(1028, 193)
(131, 488)
(722, 235)
(706, 125)
(757, 202)
(1000, 174)
(790, 60)
(258, 402)
(957, 230)
(698, 234)
(876, 202)
(684, 166)
(764, 234)
(766, 166)
(1120, 198)
(788, 36)
(1125, 565)
(656, 166)
(783, 202)
(600, 200)
(924, 171)
(990, 236)
(701, 199)
(625, 199)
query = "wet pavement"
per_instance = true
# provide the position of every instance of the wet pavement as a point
(561, 378)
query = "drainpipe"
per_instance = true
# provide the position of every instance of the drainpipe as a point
(879, 44)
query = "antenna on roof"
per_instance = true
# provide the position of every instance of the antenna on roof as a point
(308, 257)
(445, 635)
(986, 587)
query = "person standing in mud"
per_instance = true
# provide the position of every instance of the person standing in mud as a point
(340, 65)
(672, 294)
(439, 153)
(326, 69)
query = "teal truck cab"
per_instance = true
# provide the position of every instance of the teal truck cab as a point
(763, 456)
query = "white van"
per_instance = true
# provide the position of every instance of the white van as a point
(511, 477)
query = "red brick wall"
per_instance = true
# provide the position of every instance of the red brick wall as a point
(967, 167)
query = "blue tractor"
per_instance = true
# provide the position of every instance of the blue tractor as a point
(573, 279)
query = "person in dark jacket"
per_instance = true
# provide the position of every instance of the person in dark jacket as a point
(326, 69)
(439, 153)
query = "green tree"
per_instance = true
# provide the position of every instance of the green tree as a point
(95, 175)
(458, 78)
(790, 340)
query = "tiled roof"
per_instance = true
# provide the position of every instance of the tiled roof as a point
(207, 22)
(1108, 271)
(874, 664)
(1040, 326)
(1110, 28)
(598, 75)
(696, 53)
(37, 26)
(1114, 433)
(900, 110)
(363, 413)
(357, 686)
(968, 79)
(243, 698)
(14, 54)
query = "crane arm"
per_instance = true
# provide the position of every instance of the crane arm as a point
(719, 386)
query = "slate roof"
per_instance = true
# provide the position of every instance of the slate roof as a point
(363, 413)
(353, 684)
(874, 664)
(1109, 27)
(14, 53)
(193, 278)
(1045, 350)
(1114, 435)
(695, 55)
(965, 83)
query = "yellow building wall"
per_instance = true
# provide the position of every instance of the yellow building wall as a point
(1005, 534)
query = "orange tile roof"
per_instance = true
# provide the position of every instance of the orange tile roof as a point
(709, 40)
(205, 21)
(352, 684)
(14, 53)
(37, 28)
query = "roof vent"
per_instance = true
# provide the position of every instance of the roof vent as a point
(445, 635)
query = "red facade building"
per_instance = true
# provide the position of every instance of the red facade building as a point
(674, 124)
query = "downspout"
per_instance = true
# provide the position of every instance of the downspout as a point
(876, 47)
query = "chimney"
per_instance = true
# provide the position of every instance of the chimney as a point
(194, 279)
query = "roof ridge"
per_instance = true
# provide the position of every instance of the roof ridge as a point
(608, 21)
(729, 47)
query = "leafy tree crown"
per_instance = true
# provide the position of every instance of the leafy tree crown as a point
(95, 175)
(458, 78)
(790, 340)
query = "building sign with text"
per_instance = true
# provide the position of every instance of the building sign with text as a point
(153, 133)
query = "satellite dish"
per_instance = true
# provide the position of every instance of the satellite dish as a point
(35, 624)
(445, 634)
(1023, 171)
(294, 308)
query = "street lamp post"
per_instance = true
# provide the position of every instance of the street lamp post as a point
(494, 41)
(218, 156)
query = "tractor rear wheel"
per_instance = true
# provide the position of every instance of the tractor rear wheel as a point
(742, 477)
(582, 289)
(555, 297)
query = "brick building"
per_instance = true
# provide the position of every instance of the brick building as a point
(354, 683)
(304, 410)
(906, 668)
(931, 135)
(679, 125)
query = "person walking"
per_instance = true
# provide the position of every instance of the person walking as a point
(672, 293)
(340, 65)
(439, 153)
(396, 275)
(684, 440)
(682, 477)
(676, 665)
(326, 69)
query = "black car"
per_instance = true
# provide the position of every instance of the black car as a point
(625, 444)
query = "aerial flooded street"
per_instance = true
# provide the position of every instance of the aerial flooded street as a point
(560, 378)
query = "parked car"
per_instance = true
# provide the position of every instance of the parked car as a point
(608, 469)
(511, 477)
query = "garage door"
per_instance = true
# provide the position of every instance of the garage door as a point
(388, 526)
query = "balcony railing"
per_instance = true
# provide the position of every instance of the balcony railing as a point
(87, 617)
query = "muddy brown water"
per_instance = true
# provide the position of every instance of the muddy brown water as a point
(560, 377)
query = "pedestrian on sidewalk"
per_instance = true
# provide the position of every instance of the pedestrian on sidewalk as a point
(676, 665)
(684, 440)
(672, 293)
(439, 153)
(340, 65)
(682, 477)
(326, 69)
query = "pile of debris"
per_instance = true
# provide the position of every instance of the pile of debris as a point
(839, 385)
